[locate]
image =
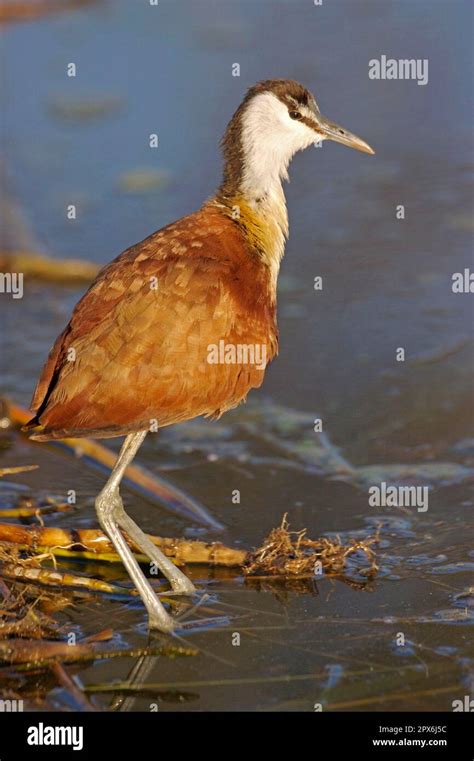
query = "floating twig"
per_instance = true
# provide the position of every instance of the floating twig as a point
(17, 469)
(93, 544)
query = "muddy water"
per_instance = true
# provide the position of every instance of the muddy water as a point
(386, 285)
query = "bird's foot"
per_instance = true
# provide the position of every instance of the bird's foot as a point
(158, 622)
(182, 585)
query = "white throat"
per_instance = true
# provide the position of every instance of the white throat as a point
(270, 138)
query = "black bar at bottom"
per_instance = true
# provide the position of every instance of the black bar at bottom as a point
(112, 736)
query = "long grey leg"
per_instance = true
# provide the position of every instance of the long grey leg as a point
(179, 582)
(109, 508)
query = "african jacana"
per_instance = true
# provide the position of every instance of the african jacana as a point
(136, 352)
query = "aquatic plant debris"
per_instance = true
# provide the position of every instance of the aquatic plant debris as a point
(283, 553)
(29, 635)
(95, 545)
(17, 469)
(292, 553)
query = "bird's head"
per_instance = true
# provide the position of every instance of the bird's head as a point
(277, 118)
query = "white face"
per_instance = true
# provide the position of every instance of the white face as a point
(270, 138)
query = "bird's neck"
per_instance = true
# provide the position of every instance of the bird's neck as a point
(260, 211)
(251, 193)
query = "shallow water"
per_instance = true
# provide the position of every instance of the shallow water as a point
(387, 284)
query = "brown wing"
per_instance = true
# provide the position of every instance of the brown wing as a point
(135, 352)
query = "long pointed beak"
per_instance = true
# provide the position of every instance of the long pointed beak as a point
(333, 131)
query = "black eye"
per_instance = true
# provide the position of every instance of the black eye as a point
(294, 114)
